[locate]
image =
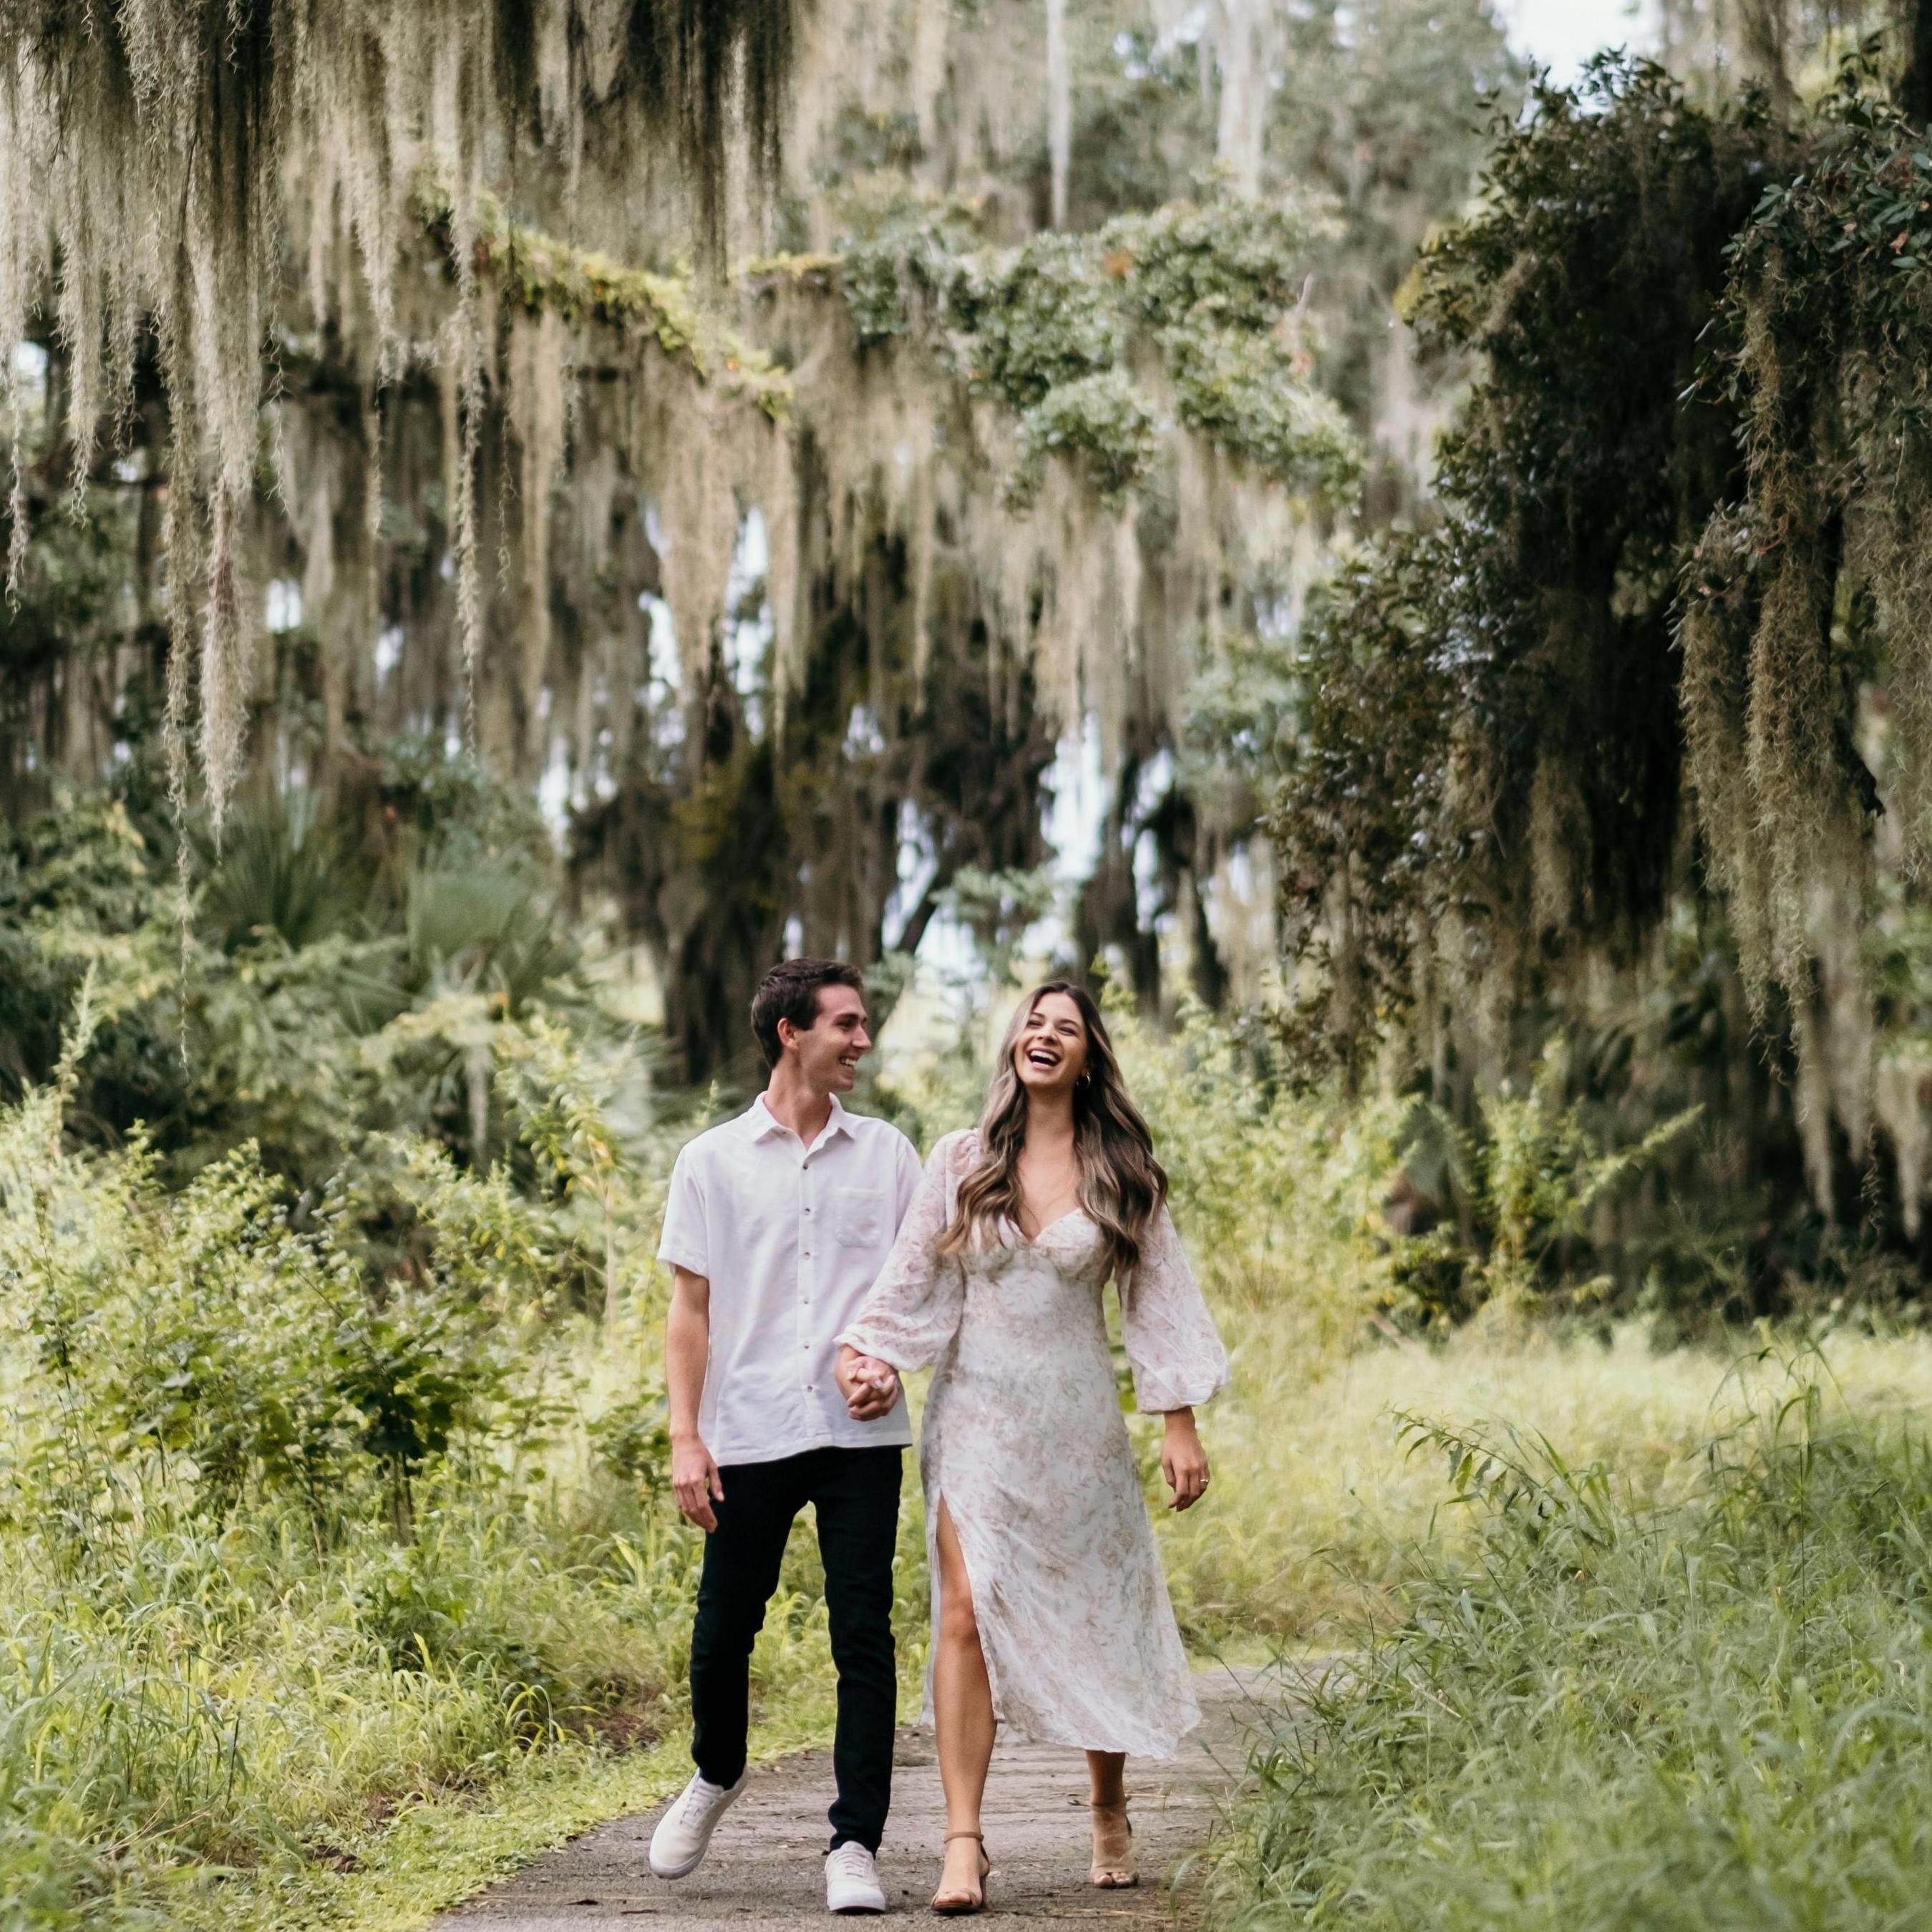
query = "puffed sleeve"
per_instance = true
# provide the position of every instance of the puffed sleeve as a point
(1172, 1345)
(912, 1312)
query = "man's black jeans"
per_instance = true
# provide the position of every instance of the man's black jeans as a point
(855, 1495)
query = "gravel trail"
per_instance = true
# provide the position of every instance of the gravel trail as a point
(763, 1872)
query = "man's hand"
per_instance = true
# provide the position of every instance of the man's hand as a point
(1183, 1460)
(869, 1386)
(695, 1481)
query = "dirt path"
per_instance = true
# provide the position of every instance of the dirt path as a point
(763, 1869)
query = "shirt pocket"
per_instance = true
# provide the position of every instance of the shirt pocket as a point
(858, 1216)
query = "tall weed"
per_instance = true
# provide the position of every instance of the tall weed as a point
(295, 1529)
(1602, 1711)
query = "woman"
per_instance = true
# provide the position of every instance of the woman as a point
(1050, 1613)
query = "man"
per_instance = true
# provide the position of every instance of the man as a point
(777, 1224)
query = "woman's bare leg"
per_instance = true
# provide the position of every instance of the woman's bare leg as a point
(962, 1712)
(1113, 1842)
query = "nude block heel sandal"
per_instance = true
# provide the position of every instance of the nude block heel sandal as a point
(1116, 1873)
(964, 1904)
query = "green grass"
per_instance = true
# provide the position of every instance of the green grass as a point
(241, 1731)
(436, 1851)
(1318, 1511)
(1695, 1692)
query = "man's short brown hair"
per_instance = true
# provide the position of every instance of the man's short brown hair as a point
(790, 992)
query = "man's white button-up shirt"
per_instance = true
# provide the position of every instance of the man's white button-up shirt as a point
(791, 1238)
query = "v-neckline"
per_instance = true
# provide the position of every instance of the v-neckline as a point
(1034, 1241)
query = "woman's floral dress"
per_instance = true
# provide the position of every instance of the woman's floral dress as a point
(1024, 1444)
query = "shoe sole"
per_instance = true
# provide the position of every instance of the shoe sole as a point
(685, 1871)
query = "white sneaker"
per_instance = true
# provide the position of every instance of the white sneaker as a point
(852, 1880)
(683, 1835)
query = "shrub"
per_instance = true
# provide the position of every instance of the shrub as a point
(281, 1529)
(1605, 1712)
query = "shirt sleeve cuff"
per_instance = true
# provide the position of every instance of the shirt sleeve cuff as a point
(673, 1255)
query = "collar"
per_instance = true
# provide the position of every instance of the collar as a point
(764, 1122)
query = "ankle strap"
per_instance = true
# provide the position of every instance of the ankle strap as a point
(951, 1835)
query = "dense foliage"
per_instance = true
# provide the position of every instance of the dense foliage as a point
(1701, 1711)
(332, 982)
(278, 1525)
(1808, 590)
(1657, 670)
(1489, 781)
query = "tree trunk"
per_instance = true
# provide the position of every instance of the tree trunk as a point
(1059, 106)
(1914, 34)
(1246, 42)
(1765, 29)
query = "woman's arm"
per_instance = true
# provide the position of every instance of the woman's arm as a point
(913, 1312)
(1177, 1359)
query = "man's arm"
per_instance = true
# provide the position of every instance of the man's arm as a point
(695, 1479)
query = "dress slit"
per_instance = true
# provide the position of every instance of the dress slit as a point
(939, 1506)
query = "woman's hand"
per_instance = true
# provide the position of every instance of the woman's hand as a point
(1183, 1460)
(869, 1386)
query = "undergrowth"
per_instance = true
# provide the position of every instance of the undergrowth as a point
(1607, 1706)
(337, 1569)
(294, 1542)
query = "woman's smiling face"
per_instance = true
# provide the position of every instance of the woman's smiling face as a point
(1050, 1053)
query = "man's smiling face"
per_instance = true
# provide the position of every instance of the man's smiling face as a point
(829, 1050)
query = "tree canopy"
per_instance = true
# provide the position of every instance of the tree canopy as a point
(168, 161)
(968, 484)
(1664, 657)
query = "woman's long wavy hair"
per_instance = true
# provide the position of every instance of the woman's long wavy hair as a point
(1121, 1183)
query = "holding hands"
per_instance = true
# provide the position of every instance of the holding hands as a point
(869, 1386)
